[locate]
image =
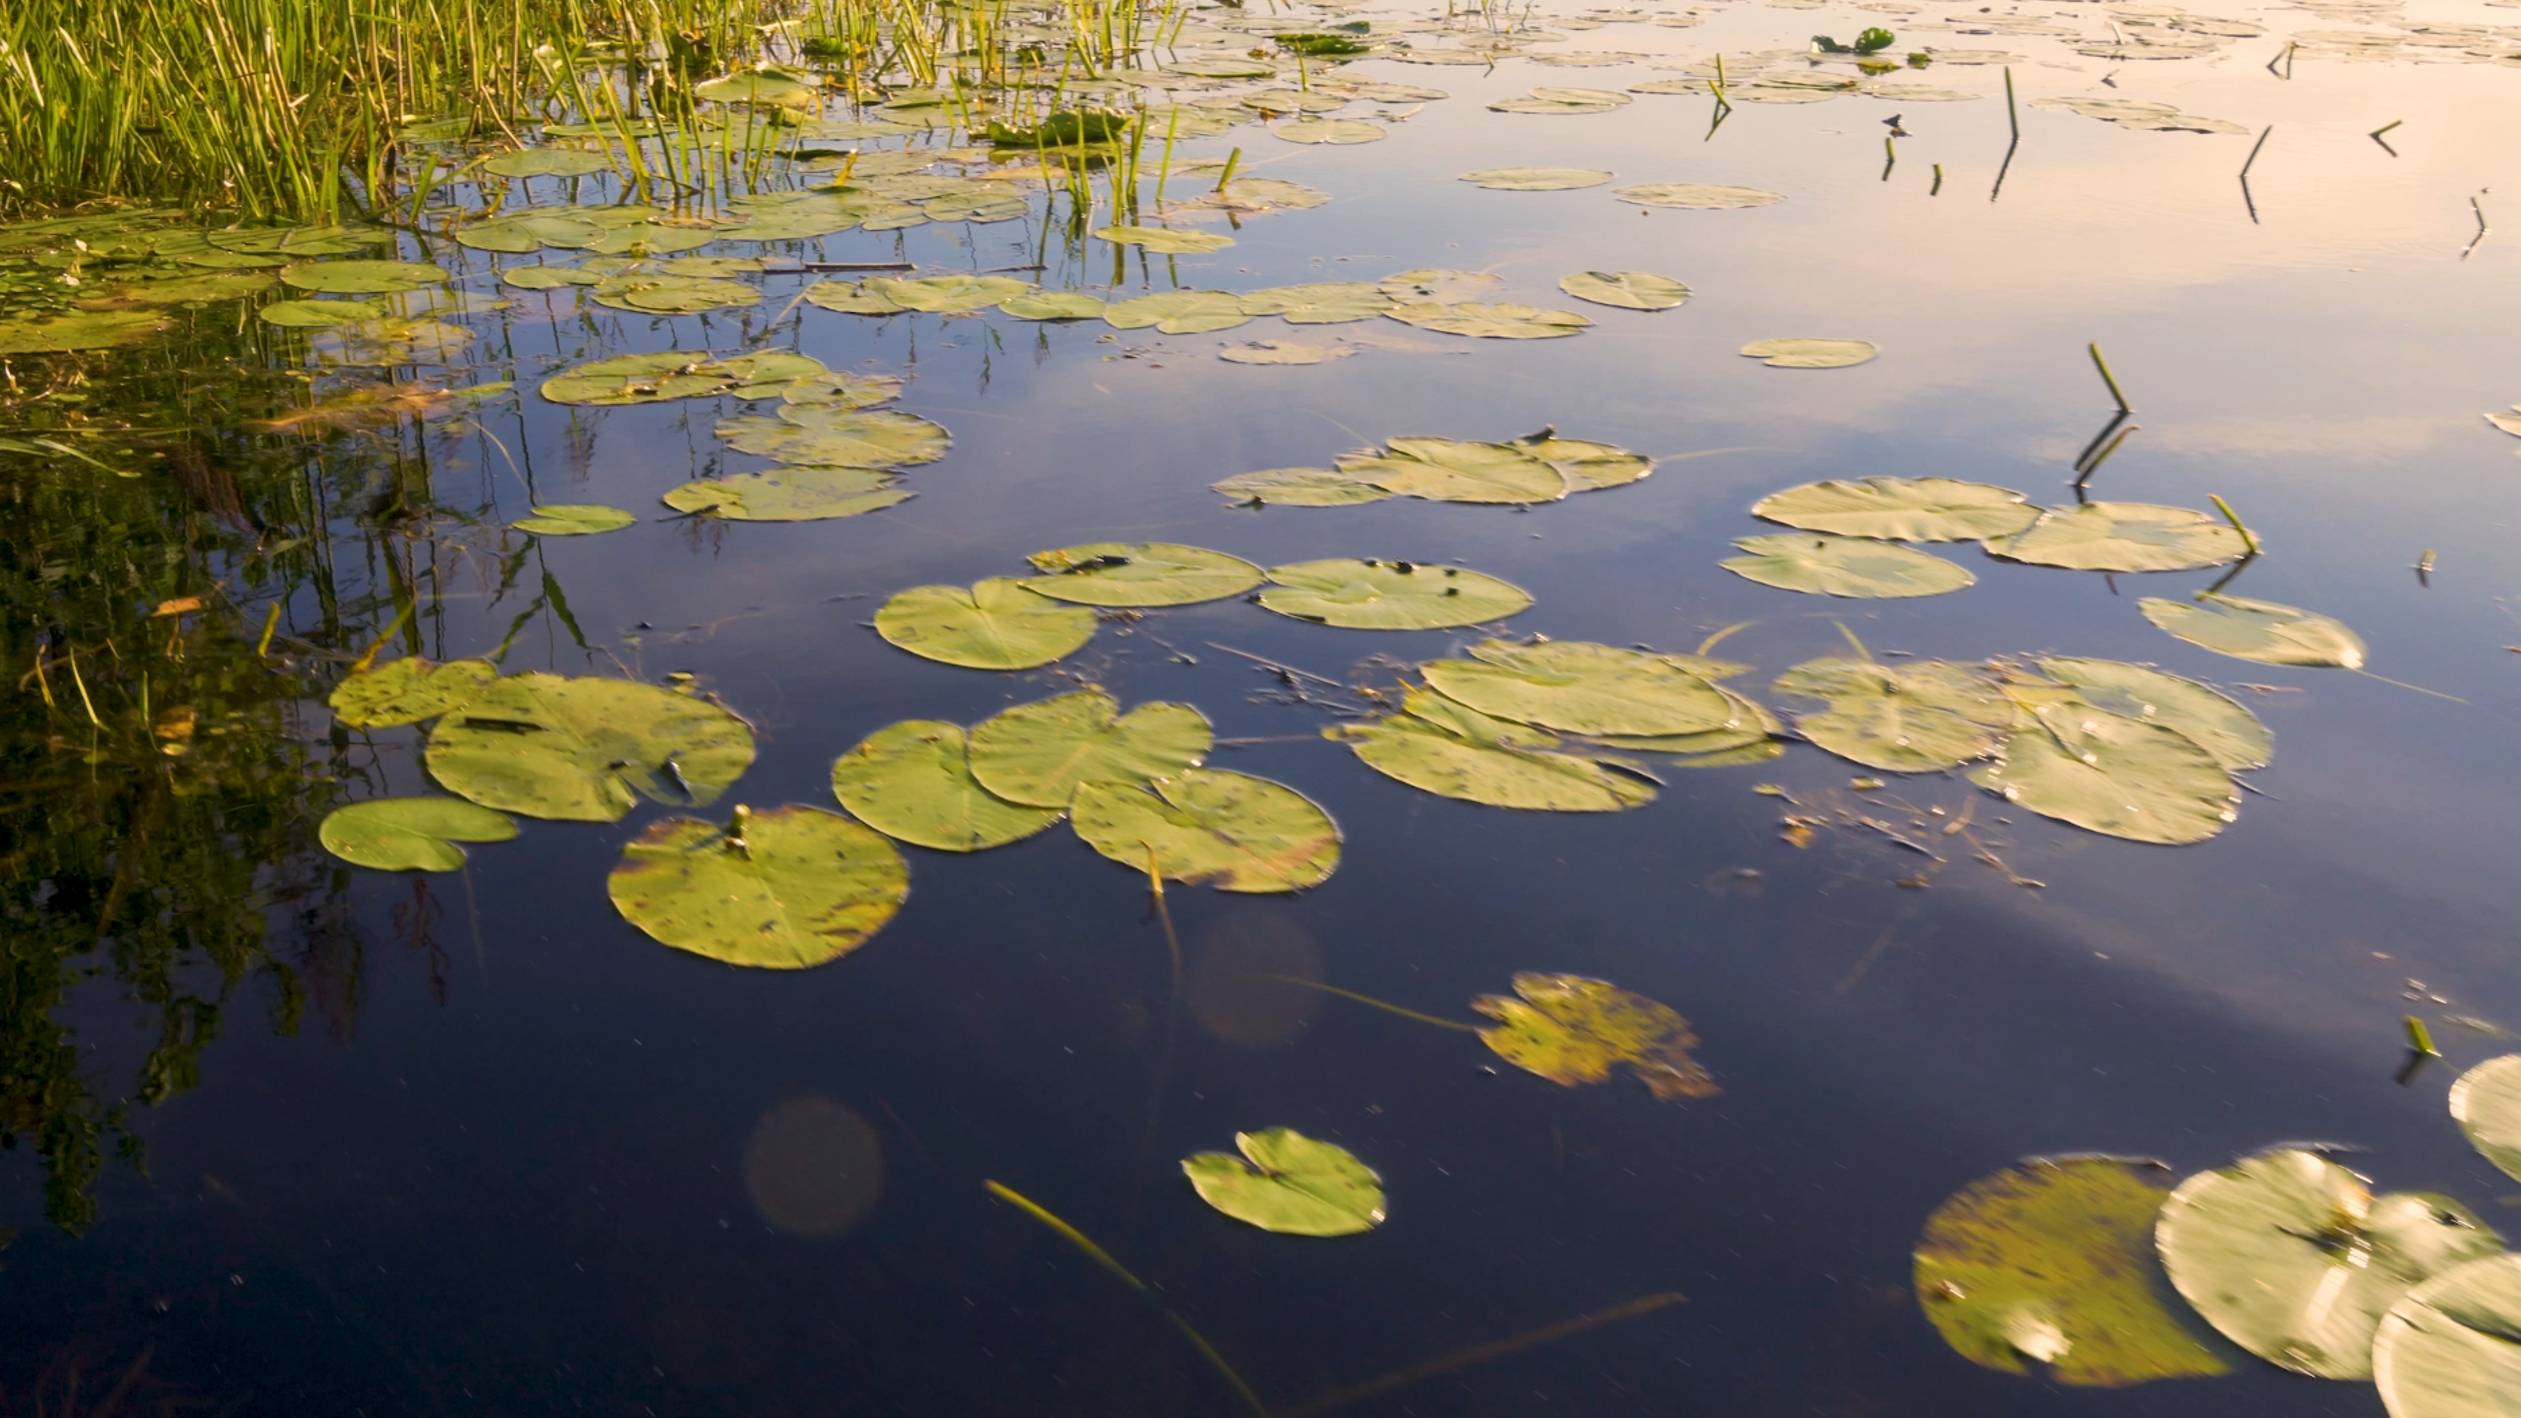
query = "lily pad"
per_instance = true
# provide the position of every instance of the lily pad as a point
(1292, 1184)
(1580, 688)
(1140, 574)
(2215, 721)
(1811, 352)
(839, 438)
(573, 519)
(1574, 1030)
(2047, 1268)
(1913, 718)
(1457, 470)
(2123, 536)
(544, 162)
(410, 834)
(1208, 826)
(1053, 305)
(1453, 751)
(662, 294)
(913, 782)
(2107, 773)
(1181, 312)
(995, 624)
(1859, 567)
(1441, 287)
(2268, 632)
(80, 330)
(1696, 196)
(1536, 179)
(2291, 1256)
(318, 314)
(1299, 487)
(1589, 466)
(675, 374)
(947, 295)
(783, 889)
(586, 750)
(2447, 1350)
(1040, 754)
(2486, 1103)
(362, 277)
(1284, 352)
(790, 495)
(1901, 509)
(1341, 132)
(1495, 322)
(850, 298)
(1628, 290)
(1320, 302)
(1389, 595)
(408, 690)
(1555, 100)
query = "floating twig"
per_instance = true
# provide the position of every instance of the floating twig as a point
(1266, 663)
(2101, 363)
(1385, 1005)
(2481, 229)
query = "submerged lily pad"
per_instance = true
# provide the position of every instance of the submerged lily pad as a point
(2447, 1349)
(1283, 352)
(317, 314)
(1040, 754)
(1811, 352)
(1140, 574)
(1580, 688)
(790, 494)
(573, 519)
(2215, 721)
(1628, 290)
(1300, 487)
(1912, 718)
(995, 624)
(410, 834)
(2486, 1103)
(2114, 775)
(79, 330)
(1208, 826)
(2123, 536)
(1291, 1184)
(2268, 632)
(913, 782)
(1901, 509)
(1389, 595)
(1573, 1030)
(1821, 564)
(1536, 179)
(408, 690)
(1495, 322)
(2047, 1267)
(586, 750)
(1457, 470)
(783, 889)
(2291, 1256)
(1695, 196)
(1453, 751)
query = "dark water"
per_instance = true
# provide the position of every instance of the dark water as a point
(474, 1145)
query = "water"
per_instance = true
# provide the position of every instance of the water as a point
(472, 1144)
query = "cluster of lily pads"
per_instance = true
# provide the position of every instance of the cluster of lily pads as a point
(2074, 1268)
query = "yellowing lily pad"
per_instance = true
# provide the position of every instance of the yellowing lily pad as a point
(1140, 574)
(1208, 826)
(913, 782)
(1628, 290)
(2446, 1349)
(1557, 100)
(573, 519)
(995, 624)
(1299, 487)
(787, 888)
(1289, 1183)
(586, 750)
(1574, 1030)
(1040, 754)
(1901, 509)
(1389, 595)
(1495, 322)
(410, 834)
(1811, 352)
(1335, 131)
(1457, 470)
(2268, 632)
(790, 495)
(1184, 312)
(1821, 564)
(2486, 1103)
(2123, 536)
(1536, 179)
(408, 690)
(1695, 196)
(1319, 302)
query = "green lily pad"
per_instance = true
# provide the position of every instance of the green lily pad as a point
(1389, 595)
(1178, 312)
(1299, 487)
(362, 277)
(851, 298)
(947, 295)
(675, 374)
(2047, 1268)
(81, 330)
(1339, 132)
(2123, 536)
(1140, 574)
(776, 87)
(2447, 1350)
(1053, 305)
(586, 750)
(1811, 352)
(1453, 751)
(526, 232)
(1439, 287)
(318, 314)
(1536, 179)
(1573, 1030)
(1208, 826)
(790, 494)
(2268, 632)
(1555, 100)
(815, 398)
(787, 888)
(1040, 754)
(1695, 196)
(1494, 322)
(407, 691)
(2486, 1103)
(2107, 773)
(1580, 688)
(2291, 1256)
(545, 162)
(1901, 509)
(1750, 738)
(1628, 290)
(1589, 466)
(1457, 470)
(410, 834)
(2213, 720)
(832, 437)
(1293, 1184)
(1319, 302)
(662, 294)
(573, 519)
(1913, 718)
(913, 782)
(1821, 564)
(995, 624)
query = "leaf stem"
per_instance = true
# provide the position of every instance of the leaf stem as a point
(1384, 1005)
